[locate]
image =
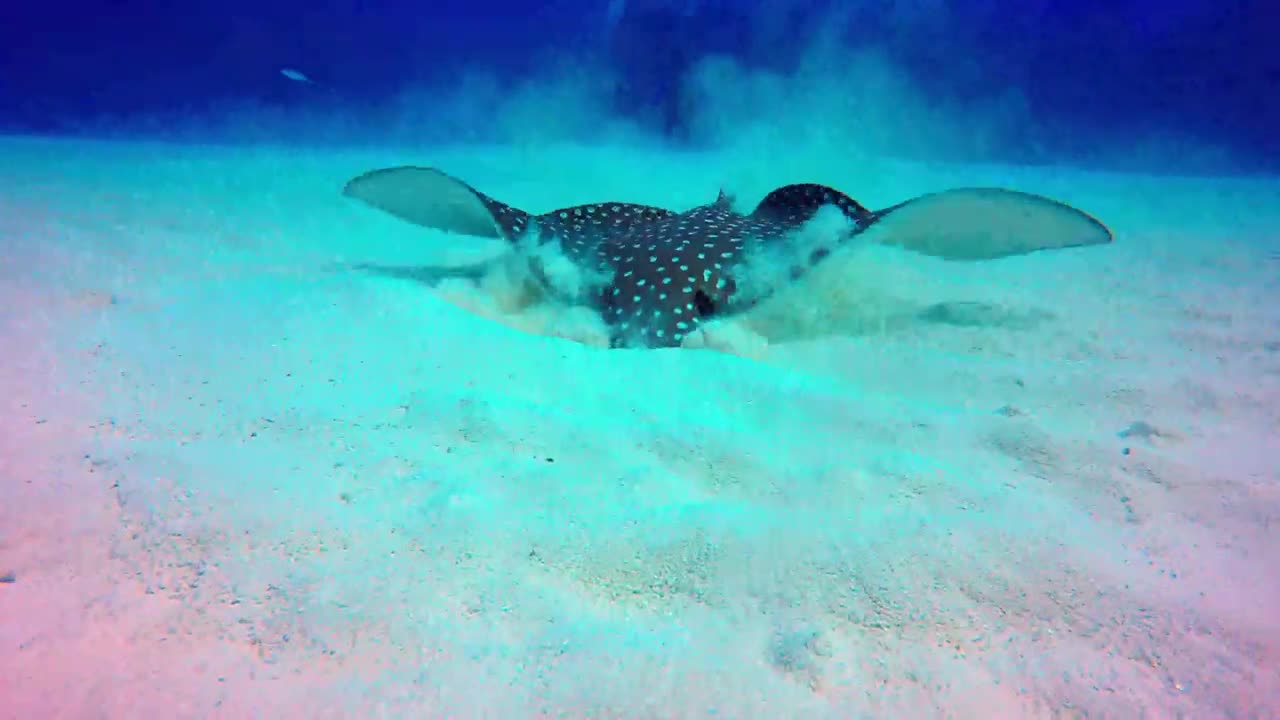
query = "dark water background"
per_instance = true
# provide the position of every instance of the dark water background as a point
(1088, 74)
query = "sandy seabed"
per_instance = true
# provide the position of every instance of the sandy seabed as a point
(239, 479)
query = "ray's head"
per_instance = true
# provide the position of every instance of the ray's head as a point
(671, 276)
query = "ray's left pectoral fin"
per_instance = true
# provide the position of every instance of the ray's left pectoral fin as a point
(985, 224)
(433, 199)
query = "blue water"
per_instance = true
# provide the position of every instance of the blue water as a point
(1085, 80)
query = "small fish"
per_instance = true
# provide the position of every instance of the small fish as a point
(654, 275)
(297, 76)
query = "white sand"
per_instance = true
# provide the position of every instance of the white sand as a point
(235, 482)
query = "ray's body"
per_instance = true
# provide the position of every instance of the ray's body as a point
(656, 274)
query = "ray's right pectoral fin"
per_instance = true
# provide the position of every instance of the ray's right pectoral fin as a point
(985, 224)
(433, 199)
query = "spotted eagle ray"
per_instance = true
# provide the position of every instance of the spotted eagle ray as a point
(655, 275)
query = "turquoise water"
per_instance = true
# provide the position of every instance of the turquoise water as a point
(264, 453)
(245, 480)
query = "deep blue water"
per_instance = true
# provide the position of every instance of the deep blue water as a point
(1091, 73)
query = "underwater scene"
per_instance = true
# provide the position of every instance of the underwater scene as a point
(640, 359)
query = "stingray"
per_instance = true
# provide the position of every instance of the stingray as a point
(657, 275)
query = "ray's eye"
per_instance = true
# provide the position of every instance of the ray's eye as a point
(703, 304)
